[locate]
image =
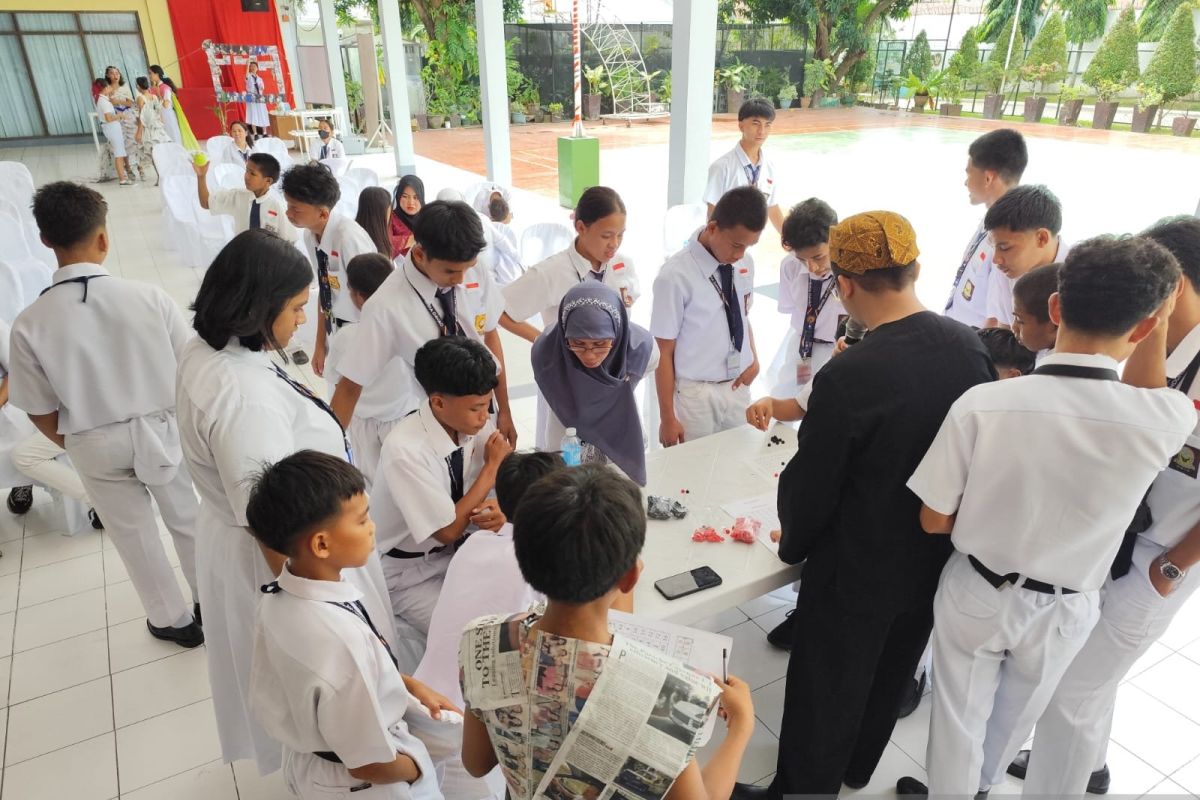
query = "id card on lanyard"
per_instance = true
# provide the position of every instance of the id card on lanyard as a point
(808, 336)
(733, 361)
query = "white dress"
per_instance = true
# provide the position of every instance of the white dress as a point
(256, 113)
(236, 415)
(170, 122)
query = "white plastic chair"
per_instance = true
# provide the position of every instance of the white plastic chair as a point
(201, 234)
(215, 147)
(171, 159)
(12, 295)
(544, 239)
(33, 275)
(352, 182)
(16, 185)
(680, 223)
(277, 148)
(338, 166)
(226, 176)
(29, 229)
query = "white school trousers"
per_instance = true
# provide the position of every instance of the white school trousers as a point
(706, 408)
(414, 585)
(997, 654)
(45, 462)
(105, 458)
(1071, 741)
(783, 376)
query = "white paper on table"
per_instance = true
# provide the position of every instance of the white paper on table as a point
(702, 651)
(762, 508)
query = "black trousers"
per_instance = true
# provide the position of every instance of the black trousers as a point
(846, 677)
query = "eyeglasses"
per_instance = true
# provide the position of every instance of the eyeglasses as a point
(576, 347)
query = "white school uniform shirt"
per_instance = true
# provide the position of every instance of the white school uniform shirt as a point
(330, 148)
(794, 279)
(688, 309)
(734, 169)
(1175, 496)
(968, 299)
(342, 240)
(378, 400)
(506, 261)
(272, 213)
(1000, 289)
(411, 493)
(397, 320)
(544, 285)
(231, 155)
(1057, 511)
(483, 578)
(109, 359)
(323, 682)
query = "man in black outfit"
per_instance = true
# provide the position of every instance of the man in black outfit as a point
(865, 608)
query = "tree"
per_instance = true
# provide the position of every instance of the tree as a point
(1047, 59)
(1086, 20)
(919, 60)
(994, 72)
(998, 12)
(964, 64)
(1172, 69)
(412, 12)
(1115, 65)
(1155, 16)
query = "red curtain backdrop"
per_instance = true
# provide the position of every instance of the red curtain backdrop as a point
(222, 21)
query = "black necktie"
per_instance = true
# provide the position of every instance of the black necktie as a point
(245, 154)
(733, 313)
(324, 152)
(599, 276)
(450, 327)
(455, 462)
(324, 291)
(255, 215)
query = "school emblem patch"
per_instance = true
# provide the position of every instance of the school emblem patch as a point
(968, 290)
(480, 321)
(1185, 461)
(334, 283)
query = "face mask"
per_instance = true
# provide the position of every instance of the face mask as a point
(323, 134)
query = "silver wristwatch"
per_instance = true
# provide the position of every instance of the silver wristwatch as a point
(1169, 571)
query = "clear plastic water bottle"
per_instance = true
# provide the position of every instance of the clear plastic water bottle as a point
(572, 448)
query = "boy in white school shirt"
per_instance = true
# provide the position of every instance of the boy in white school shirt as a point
(436, 290)
(995, 163)
(1019, 597)
(701, 321)
(93, 365)
(436, 470)
(746, 164)
(1023, 227)
(324, 682)
(1031, 310)
(331, 239)
(256, 206)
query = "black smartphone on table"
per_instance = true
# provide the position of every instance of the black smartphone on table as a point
(686, 583)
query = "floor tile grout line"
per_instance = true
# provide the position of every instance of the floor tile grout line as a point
(112, 689)
(11, 659)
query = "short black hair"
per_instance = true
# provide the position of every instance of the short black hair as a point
(743, 206)
(246, 288)
(267, 164)
(1107, 284)
(1002, 151)
(1033, 289)
(367, 271)
(1025, 208)
(596, 203)
(519, 471)
(888, 279)
(577, 531)
(1180, 235)
(757, 107)
(449, 231)
(808, 224)
(68, 213)
(1005, 351)
(498, 209)
(292, 498)
(313, 184)
(455, 366)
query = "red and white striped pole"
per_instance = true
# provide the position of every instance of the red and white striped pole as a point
(577, 128)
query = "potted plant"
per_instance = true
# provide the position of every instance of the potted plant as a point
(1172, 68)
(1114, 67)
(596, 85)
(1070, 103)
(994, 75)
(921, 88)
(818, 75)
(556, 110)
(734, 79)
(1046, 64)
(787, 95)
(771, 81)
(1146, 109)
(517, 110)
(664, 89)
(952, 90)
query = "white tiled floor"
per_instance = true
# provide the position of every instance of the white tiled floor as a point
(93, 708)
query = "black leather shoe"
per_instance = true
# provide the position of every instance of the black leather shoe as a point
(912, 699)
(94, 518)
(196, 614)
(911, 787)
(855, 783)
(188, 636)
(1098, 782)
(748, 791)
(20, 499)
(782, 634)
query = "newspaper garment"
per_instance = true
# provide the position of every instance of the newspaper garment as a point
(532, 690)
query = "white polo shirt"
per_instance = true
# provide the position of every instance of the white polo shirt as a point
(734, 169)
(1045, 472)
(411, 499)
(342, 240)
(229, 154)
(483, 578)
(109, 359)
(379, 399)
(690, 310)
(272, 213)
(397, 320)
(322, 681)
(1175, 496)
(1000, 288)
(794, 281)
(968, 299)
(544, 285)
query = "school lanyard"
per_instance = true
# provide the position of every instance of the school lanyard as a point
(732, 314)
(816, 303)
(356, 608)
(963, 266)
(324, 290)
(319, 403)
(447, 321)
(1077, 371)
(1183, 381)
(81, 279)
(752, 171)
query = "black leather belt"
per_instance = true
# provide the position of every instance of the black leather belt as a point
(338, 322)
(396, 552)
(997, 580)
(329, 756)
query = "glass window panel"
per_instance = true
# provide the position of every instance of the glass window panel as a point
(109, 22)
(64, 82)
(47, 22)
(6, 22)
(20, 117)
(121, 50)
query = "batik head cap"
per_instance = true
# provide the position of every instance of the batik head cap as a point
(872, 240)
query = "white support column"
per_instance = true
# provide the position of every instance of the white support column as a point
(493, 83)
(693, 58)
(287, 27)
(396, 88)
(333, 56)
